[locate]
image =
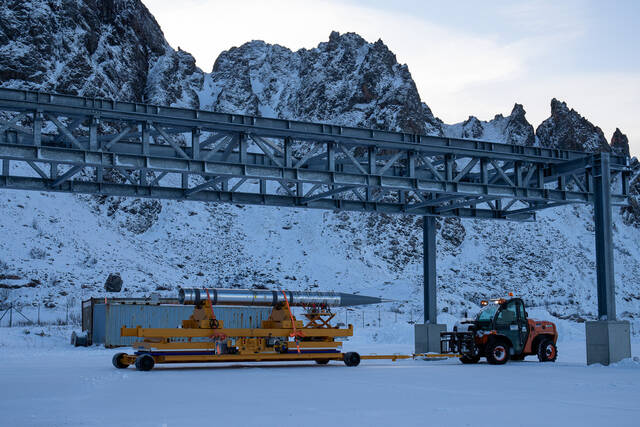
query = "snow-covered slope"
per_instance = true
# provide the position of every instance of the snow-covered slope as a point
(58, 246)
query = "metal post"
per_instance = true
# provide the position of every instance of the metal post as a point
(145, 128)
(608, 341)
(195, 143)
(604, 238)
(37, 128)
(93, 134)
(429, 263)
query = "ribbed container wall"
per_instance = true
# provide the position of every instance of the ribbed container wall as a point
(109, 318)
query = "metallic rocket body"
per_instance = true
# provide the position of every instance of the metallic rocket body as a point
(265, 298)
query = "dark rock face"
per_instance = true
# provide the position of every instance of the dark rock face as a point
(517, 129)
(620, 143)
(344, 81)
(513, 129)
(113, 283)
(109, 48)
(566, 129)
(453, 231)
(472, 128)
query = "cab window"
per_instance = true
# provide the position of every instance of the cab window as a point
(487, 313)
(521, 315)
(508, 315)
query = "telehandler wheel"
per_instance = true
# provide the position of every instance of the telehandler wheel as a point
(117, 361)
(547, 351)
(467, 360)
(351, 358)
(497, 353)
(145, 362)
(322, 361)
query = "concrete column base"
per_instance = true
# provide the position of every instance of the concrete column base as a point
(607, 341)
(427, 337)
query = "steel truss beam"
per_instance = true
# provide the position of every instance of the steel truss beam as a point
(280, 162)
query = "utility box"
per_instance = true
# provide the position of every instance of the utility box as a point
(102, 319)
(427, 337)
(607, 341)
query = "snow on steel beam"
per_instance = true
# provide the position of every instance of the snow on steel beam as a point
(172, 193)
(162, 164)
(20, 100)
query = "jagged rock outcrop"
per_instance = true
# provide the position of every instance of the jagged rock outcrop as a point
(513, 129)
(620, 143)
(566, 129)
(344, 81)
(102, 48)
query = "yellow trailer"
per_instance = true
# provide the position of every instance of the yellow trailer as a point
(281, 338)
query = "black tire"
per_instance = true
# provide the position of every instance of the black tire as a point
(351, 358)
(468, 360)
(145, 362)
(518, 357)
(547, 351)
(322, 361)
(117, 361)
(497, 353)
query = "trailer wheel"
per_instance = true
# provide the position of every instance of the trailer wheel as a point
(547, 351)
(497, 353)
(467, 360)
(351, 358)
(322, 361)
(145, 362)
(117, 361)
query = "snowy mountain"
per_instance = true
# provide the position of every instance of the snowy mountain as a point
(513, 129)
(65, 246)
(569, 130)
(345, 81)
(112, 48)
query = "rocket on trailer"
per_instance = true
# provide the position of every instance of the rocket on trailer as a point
(249, 297)
(282, 337)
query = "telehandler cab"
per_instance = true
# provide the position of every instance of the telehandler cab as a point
(501, 331)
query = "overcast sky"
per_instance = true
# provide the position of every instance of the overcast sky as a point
(466, 57)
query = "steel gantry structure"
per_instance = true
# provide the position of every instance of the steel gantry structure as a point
(62, 143)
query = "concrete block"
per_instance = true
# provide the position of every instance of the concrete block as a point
(607, 341)
(427, 337)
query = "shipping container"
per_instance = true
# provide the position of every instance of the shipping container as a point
(102, 319)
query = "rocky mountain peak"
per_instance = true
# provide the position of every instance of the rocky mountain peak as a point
(513, 129)
(566, 129)
(346, 80)
(620, 143)
(110, 48)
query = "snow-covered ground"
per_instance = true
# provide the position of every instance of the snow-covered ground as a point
(46, 382)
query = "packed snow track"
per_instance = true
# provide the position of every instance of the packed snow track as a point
(45, 382)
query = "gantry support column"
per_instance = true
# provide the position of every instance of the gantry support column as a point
(427, 335)
(429, 268)
(608, 340)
